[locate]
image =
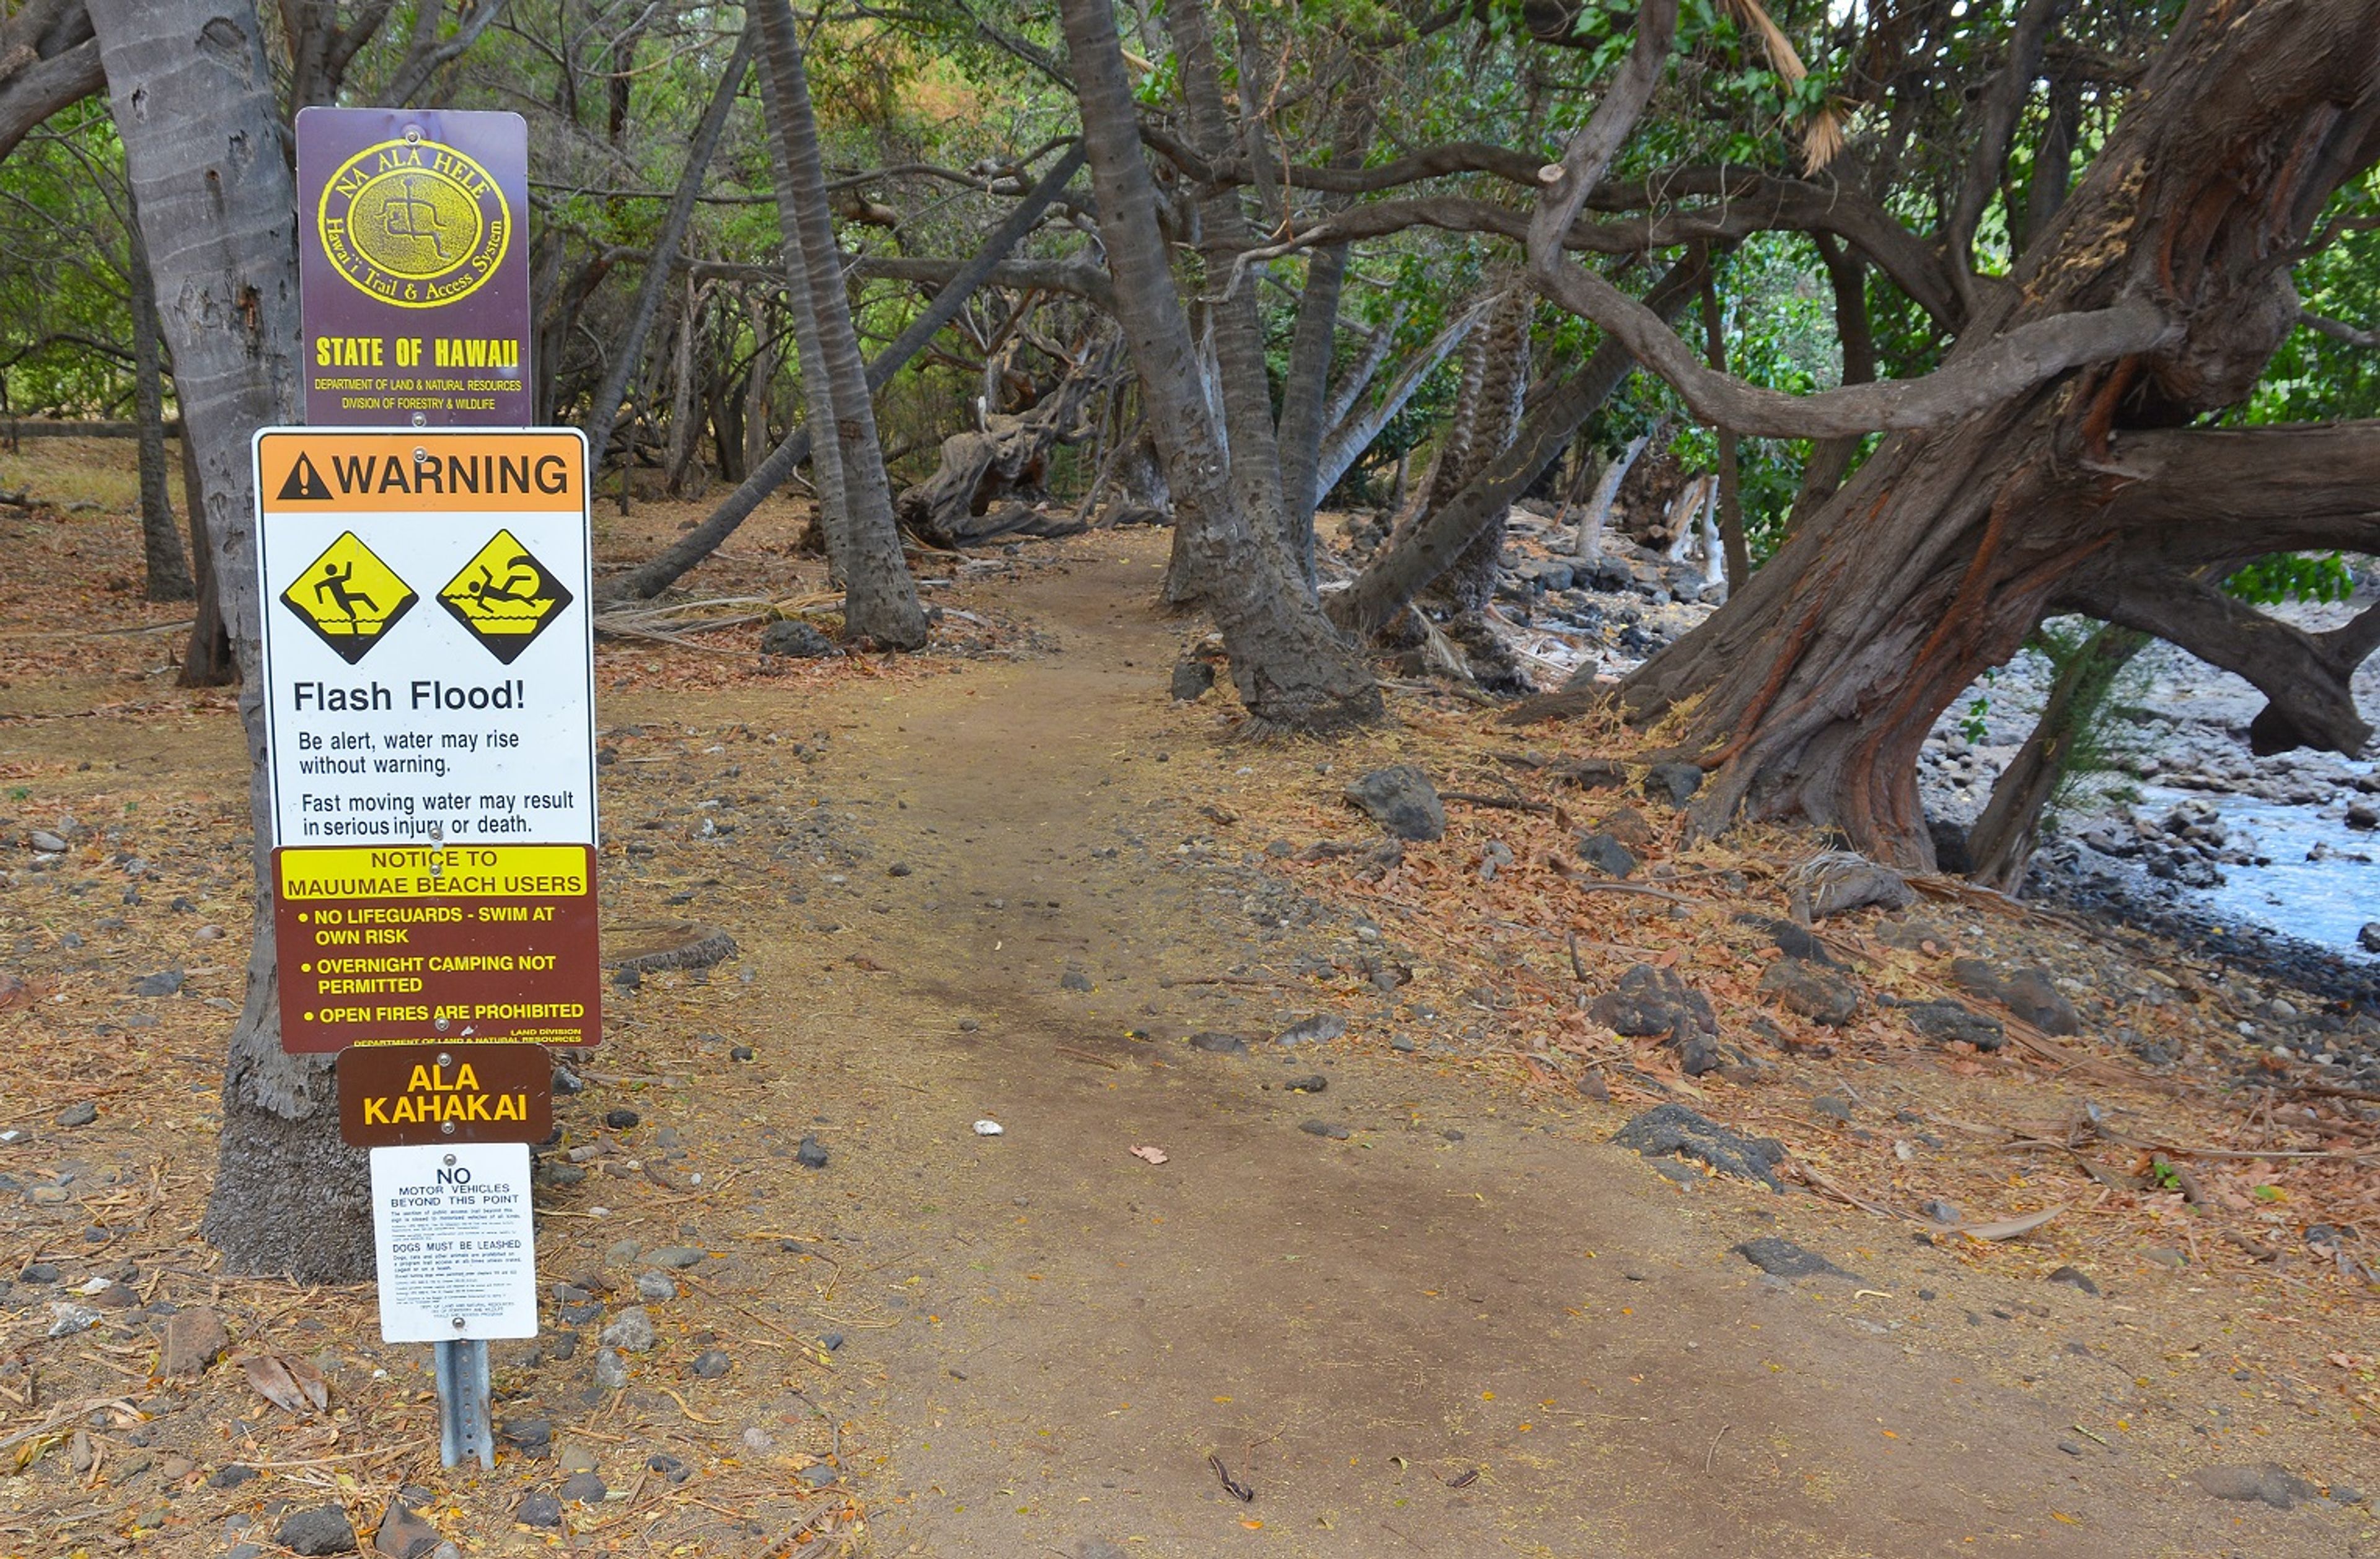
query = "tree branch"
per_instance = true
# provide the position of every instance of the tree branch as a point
(2002, 101)
(419, 64)
(2183, 498)
(43, 85)
(2338, 329)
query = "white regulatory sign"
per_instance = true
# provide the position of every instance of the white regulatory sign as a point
(457, 1247)
(429, 652)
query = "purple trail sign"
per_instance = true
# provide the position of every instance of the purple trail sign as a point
(413, 267)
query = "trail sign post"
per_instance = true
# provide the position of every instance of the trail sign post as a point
(428, 695)
(413, 266)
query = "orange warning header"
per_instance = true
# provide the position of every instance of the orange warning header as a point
(426, 470)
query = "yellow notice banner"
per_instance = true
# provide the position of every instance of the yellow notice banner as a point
(498, 871)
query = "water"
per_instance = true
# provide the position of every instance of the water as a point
(2325, 901)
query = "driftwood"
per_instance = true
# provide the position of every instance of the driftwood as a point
(991, 476)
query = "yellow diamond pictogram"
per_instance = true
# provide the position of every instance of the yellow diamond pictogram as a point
(349, 597)
(504, 596)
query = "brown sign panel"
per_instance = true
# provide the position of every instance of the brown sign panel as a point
(413, 266)
(454, 944)
(399, 1095)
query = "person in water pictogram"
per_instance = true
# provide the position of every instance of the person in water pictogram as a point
(337, 586)
(522, 583)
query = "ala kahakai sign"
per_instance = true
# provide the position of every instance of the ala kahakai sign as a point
(413, 267)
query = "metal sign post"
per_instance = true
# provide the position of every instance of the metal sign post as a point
(462, 1428)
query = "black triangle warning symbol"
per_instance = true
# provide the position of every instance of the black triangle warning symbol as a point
(304, 482)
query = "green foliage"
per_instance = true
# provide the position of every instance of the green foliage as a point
(2292, 576)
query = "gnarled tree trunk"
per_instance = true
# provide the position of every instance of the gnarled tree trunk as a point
(1811, 690)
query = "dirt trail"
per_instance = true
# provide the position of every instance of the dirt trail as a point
(1466, 1329)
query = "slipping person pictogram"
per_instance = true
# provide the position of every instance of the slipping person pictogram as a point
(349, 597)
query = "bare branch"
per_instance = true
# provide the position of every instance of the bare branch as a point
(2338, 329)
(2002, 101)
(2182, 498)
(48, 61)
(420, 63)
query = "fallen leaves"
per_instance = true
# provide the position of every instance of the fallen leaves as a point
(291, 1383)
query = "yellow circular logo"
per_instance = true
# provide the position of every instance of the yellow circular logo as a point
(414, 223)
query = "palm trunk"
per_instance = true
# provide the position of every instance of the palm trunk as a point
(1292, 671)
(194, 106)
(1303, 390)
(161, 540)
(879, 598)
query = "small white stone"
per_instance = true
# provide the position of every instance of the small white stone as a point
(988, 1128)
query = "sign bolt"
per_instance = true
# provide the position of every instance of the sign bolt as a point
(420, 456)
(420, 419)
(447, 1126)
(441, 1029)
(450, 1160)
(460, 1323)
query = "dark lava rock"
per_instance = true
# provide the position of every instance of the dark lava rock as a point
(1402, 800)
(621, 1121)
(711, 1364)
(2368, 938)
(540, 1509)
(809, 1155)
(1840, 881)
(2028, 992)
(2075, 1277)
(323, 1529)
(82, 1114)
(2271, 1482)
(741, 1052)
(1193, 679)
(1947, 1020)
(533, 1437)
(1219, 1043)
(231, 1475)
(1313, 1030)
(39, 1272)
(1628, 825)
(1782, 1258)
(1313, 1083)
(1329, 1129)
(403, 1534)
(1672, 784)
(1606, 854)
(1075, 978)
(192, 1340)
(1814, 991)
(1657, 1003)
(167, 982)
(1793, 941)
(1675, 1130)
(799, 640)
(584, 1488)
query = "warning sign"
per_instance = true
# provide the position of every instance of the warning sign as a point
(391, 1096)
(504, 596)
(455, 1241)
(468, 725)
(456, 944)
(349, 597)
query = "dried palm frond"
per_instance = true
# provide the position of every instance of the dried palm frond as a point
(1822, 133)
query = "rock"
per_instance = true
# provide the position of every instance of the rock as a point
(403, 1534)
(1793, 941)
(1952, 854)
(656, 1287)
(575, 1458)
(712, 1364)
(321, 1529)
(1606, 854)
(532, 1437)
(1313, 1082)
(1075, 978)
(1814, 991)
(797, 640)
(2271, 1482)
(610, 1369)
(231, 1475)
(2075, 1277)
(39, 1272)
(2369, 937)
(1329, 1129)
(192, 1339)
(1841, 881)
(1782, 1258)
(1193, 679)
(1675, 1130)
(1942, 1212)
(47, 842)
(758, 1440)
(1948, 1020)
(809, 1155)
(621, 1119)
(82, 1114)
(1313, 1030)
(2362, 817)
(540, 1509)
(1215, 1044)
(677, 1257)
(165, 982)
(668, 1466)
(1629, 826)
(741, 1052)
(2028, 992)
(1912, 935)
(2070, 1447)
(632, 1332)
(1650, 1003)
(1402, 800)
(584, 1488)
(1672, 784)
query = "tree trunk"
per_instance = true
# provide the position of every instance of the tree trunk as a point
(2001, 843)
(161, 539)
(768, 475)
(879, 598)
(1731, 484)
(207, 659)
(1303, 390)
(1831, 458)
(605, 410)
(194, 106)
(1293, 671)
(1491, 420)
(1811, 691)
(1353, 434)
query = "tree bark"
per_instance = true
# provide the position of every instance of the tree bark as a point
(1731, 484)
(168, 571)
(1813, 688)
(207, 659)
(605, 410)
(1354, 432)
(194, 106)
(1830, 459)
(768, 475)
(1303, 390)
(54, 63)
(1291, 668)
(879, 598)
